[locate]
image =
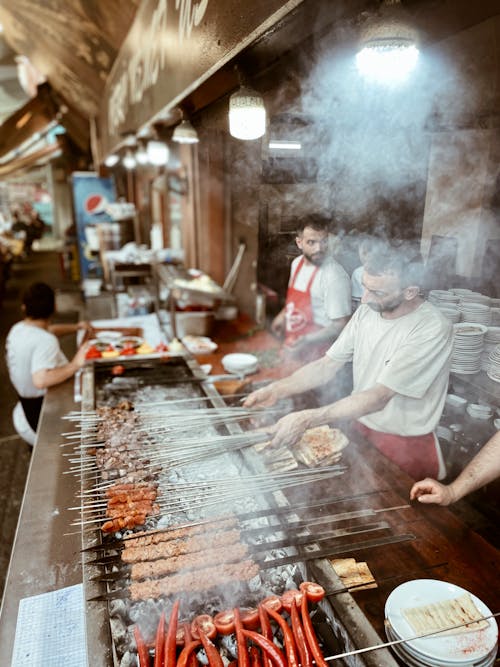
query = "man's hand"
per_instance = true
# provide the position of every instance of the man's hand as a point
(79, 358)
(289, 429)
(262, 398)
(429, 491)
(278, 325)
(86, 326)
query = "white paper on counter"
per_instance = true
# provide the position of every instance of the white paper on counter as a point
(50, 630)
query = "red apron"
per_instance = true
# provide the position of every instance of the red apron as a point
(415, 454)
(299, 317)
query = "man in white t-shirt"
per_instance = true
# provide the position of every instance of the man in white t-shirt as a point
(318, 300)
(400, 346)
(34, 358)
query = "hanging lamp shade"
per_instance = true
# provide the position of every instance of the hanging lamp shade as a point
(388, 48)
(247, 114)
(129, 161)
(111, 160)
(185, 133)
(157, 153)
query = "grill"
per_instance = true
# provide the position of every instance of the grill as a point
(285, 541)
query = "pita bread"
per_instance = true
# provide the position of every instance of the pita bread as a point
(321, 445)
(441, 615)
(353, 573)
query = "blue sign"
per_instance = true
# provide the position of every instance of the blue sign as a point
(91, 196)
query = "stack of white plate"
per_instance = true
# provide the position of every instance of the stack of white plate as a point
(439, 296)
(475, 312)
(475, 297)
(460, 291)
(467, 348)
(494, 368)
(466, 649)
(491, 340)
(495, 316)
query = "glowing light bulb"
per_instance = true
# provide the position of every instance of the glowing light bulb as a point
(247, 114)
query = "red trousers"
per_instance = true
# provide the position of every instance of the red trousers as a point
(415, 454)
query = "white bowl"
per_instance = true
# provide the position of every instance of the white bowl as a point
(240, 363)
(455, 401)
(496, 423)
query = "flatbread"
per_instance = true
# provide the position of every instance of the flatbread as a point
(321, 445)
(441, 615)
(354, 574)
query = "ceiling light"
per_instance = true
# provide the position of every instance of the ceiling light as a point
(111, 160)
(185, 133)
(388, 49)
(141, 155)
(157, 153)
(129, 161)
(247, 114)
(285, 145)
(130, 140)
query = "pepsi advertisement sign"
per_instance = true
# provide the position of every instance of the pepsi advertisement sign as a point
(91, 196)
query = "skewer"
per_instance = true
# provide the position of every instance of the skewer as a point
(395, 642)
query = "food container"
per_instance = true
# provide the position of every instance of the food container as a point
(239, 363)
(194, 323)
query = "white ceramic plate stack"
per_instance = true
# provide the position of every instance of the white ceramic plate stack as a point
(467, 348)
(450, 312)
(475, 312)
(439, 296)
(460, 291)
(468, 649)
(491, 340)
(494, 370)
(475, 297)
(495, 316)
(479, 411)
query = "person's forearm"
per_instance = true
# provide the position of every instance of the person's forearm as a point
(310, 376)
(484, 468)
(353, 406)
(50, 377)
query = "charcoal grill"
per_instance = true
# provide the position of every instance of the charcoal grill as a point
(340, 622)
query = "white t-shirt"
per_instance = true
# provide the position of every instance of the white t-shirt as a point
(30, 349)
(410, 355)
(330, 290)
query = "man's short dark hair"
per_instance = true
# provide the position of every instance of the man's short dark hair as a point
(403, 262)
(39, 301)
(315, 221)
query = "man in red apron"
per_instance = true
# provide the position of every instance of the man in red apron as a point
(400, 347)
(318, 297)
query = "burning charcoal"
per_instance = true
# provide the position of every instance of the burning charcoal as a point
(117, 608)
(255, 584)
(229, 643)
(119, 632)
(128, 660)
(202, 656)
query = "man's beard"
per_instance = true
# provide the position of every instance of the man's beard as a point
(317, 259)
(387, 307)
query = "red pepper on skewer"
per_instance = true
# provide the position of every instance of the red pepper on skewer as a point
(142, 649)
(290, 649)
(255, 657)
(186, 653)
(311, 635)
(170, 637)
(213, 655)
(300, 639)
(243, 659)
(188, 637)
(266, 631)
(268, 647)
(160, 642)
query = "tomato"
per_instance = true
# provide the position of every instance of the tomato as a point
(224, 622)
(206, 623)
(272, 602)
(250, 618)
(128, 350)
(118, 370)
(180, 635)
(92, 353)
(314, 592)
(161, 347)
(288, 596)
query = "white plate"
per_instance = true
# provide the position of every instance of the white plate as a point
(441, 649)
(199, 344)
(238, 362)
(108, 336)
